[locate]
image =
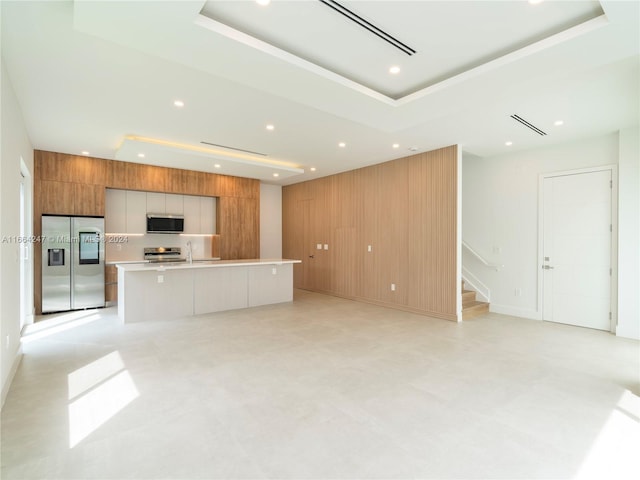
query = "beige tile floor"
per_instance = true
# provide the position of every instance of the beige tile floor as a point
(321, 388)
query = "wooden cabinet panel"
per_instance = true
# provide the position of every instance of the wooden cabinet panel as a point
(116, 174)
(57, 198)
(239, 227)
(89, 199)
(191, 182)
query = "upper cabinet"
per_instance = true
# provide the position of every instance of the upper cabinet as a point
(174, 204)
(165, 203)
(126, 211)
(199, 215)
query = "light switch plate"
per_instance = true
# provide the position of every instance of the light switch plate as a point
(319, 246)
(326, 246)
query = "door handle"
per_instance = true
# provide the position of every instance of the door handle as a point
(312, 256)
(547, 267)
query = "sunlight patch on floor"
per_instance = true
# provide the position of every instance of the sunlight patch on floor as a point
(615, 452)
(58, 324)
(101, 389)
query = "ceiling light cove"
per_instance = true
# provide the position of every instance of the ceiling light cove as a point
(205, 159)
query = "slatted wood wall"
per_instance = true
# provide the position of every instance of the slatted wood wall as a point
(405, 209)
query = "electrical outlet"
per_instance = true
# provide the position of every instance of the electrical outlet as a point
(393, 287)
(160, 278)
(7, 341)
(517, 292)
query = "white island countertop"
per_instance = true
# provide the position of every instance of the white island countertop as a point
(145, 267)
(148, 291)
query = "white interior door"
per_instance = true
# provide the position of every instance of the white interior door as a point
(577, 249)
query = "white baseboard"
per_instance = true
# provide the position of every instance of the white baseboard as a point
(515, 311)
(14, 368)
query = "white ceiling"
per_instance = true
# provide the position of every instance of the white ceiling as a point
(102, 77)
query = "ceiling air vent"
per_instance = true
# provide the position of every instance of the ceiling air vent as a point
(530, 126)
(354, 17)
(234, 148)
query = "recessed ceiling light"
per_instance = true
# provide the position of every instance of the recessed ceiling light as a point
(84, 152)
(557, 123)
(141, 155)
(342, 144)
(217, 165)
(270, 127)
(179, 103)
(313, 169)
(508, 144)
(276, 174)
(394, 70)
(264, 3)
(396, 145)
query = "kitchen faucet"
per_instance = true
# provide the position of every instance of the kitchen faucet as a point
(189, 254)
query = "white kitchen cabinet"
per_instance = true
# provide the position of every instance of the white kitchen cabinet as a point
(136, 212)
(174, 204)
(115, 211)
(208, 215)
(156, 203)
(192, 214)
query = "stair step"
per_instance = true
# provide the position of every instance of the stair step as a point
(468, 296)
(474, 309)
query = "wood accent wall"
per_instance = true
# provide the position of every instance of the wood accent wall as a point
(405, 209)
(75, 185)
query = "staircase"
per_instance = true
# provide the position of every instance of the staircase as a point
(470, 306)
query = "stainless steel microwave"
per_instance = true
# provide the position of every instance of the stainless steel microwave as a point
(161, 223)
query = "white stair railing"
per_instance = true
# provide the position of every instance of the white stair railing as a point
(494, 266)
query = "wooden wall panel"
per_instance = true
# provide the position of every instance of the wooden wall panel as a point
(405, 209)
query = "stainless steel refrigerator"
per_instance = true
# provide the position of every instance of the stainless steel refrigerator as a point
(72, 263)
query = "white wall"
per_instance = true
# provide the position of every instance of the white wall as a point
(15, 145)
(500, 215)
(629, 234)
(270, 221)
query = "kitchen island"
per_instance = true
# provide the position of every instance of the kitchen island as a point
(149, 291)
